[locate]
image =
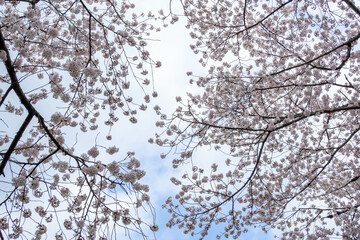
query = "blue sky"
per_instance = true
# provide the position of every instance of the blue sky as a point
(171, 47)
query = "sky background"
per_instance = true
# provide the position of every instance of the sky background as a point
(171, 47)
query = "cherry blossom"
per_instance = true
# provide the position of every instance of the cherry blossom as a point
(281, 102)
(70, 68)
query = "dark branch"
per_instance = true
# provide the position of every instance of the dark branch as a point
(14, 143)
(352, 6)
(29, 107)
(5, 95)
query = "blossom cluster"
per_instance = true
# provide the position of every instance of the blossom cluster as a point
(70, 69)
(281, 101)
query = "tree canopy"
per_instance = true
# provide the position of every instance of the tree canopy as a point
(281, 101)
(69, 70)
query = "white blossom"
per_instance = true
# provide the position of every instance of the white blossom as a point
(93, 152)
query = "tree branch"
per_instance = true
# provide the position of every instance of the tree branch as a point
(352, 6)
(5, 95)
(347, 43)
(258, 158)
(14, 143)
(29, 107)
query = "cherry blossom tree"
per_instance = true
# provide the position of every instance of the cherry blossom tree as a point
(281, 102)
(69, 69)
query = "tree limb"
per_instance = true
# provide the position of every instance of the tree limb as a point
(14, 143)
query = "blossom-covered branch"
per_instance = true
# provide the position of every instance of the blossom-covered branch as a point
(281, 101)
(70, 65)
